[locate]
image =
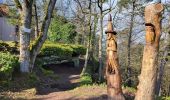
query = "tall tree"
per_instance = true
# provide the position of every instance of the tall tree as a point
(89, 40)
(130, 41)
(26, 16)
(27, 56)
(147, 79)
(131, 10)
(43, 33)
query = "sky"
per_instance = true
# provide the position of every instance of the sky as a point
(1, 1)
(166, 1)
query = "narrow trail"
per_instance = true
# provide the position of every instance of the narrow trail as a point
(68, 76)
(65, 88)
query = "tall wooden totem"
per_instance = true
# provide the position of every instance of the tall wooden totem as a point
(147, 79)
(112, 65)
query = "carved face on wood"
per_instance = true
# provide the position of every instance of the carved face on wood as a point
(111, 43)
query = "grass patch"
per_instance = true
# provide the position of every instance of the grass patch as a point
(85, 79)
(163, 98)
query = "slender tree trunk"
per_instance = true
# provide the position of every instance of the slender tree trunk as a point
(100, 41)
(44, 30)
(26, 16)
(100, 50)
(113, 76)
(86, 57)
(88, 50)
(129, 82)
(163, 63)
(36, 20)
(147, 79)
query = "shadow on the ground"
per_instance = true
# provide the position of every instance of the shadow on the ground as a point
(67, 74)
(68, 78)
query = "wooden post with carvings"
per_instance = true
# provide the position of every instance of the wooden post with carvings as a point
(147, 79)
(112, 65)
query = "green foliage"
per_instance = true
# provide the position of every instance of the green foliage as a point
(86, 79)
(8, 63)
(8, 47)
(4, 46)
(61, 50)
(61, 31)
(56, 50)
(163, 98)
(77, 49)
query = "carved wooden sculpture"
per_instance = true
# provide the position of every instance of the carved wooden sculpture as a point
(147, 79)
(112, 65)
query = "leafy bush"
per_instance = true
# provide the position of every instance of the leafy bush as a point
(56, 50)
(4, 46)
(7, 64)
(62, 50)
(77, 49)
(163, 98)
(8, 47)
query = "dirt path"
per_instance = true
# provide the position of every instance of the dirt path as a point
(65, 88)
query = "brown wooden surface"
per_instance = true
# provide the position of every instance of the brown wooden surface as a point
(147, 79)
(112, 66)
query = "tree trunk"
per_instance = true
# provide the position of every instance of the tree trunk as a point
(147, 79)
(100, 43)
(86, 58)
(26, 16)
(36, 20)
(163, 63)
(113, 76)
(100, 50)
(129, 82)
(88, 50)
(44, 30)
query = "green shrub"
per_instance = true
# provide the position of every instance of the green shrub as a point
(163, 98)
(56, 50)
(77, 49)
(8, 47)
(62, 50)
(4, 46)
(7, 64)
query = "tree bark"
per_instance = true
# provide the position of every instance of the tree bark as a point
(100, 5)
(26, 16)
(36, 20)
(147, 79)
(113, 76)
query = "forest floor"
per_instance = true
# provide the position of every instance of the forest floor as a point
(65, 87)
